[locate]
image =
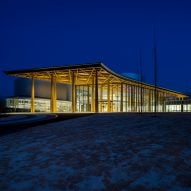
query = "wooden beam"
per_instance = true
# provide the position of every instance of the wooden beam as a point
(121, 102)
(73, 92)
(70, 77)
(90, 76)
(93, 95)
(108, 97)
(96, 91)
(53, 94)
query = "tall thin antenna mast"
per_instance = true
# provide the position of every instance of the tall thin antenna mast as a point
(155, 72)
(141, 80)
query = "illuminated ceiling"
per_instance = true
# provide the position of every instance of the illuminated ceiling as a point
(83, 75)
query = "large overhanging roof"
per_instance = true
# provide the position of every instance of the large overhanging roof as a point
(83, 75)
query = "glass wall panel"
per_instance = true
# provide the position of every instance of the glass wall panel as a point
(41, 105)
(83, 98)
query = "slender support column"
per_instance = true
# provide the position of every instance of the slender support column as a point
(152, 101)
(142, 93)
(134, 101)
(53, 94)
(156, 100)
(88, 108)
(126, 92)
(182, 105)
(73, 93)
(129, 98)
(112, 105)
(164, 101)
(132, 98)
(117, 98)
(160, 102)
(32, 96)
(108, 97)
(137, 98)
(96, 92)
(149, 101)
(93, 95)
(135, 90)
(101, 99)
(143, 104)
(121, 102)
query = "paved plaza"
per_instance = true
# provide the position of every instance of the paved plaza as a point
(111, 152)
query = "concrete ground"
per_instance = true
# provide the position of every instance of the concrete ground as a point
(13, 122)
(112, 152)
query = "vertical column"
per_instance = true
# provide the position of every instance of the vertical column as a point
(138, 100)
(121, 101)
(152, 101)
(88, 99)
(182, 105)
(126, 100)
(93, 95)
(132, 98)
(135, 98)
(129, 97)
(156, 100)
(149, 100)
(163, 102)
(32, 95)
(73, 93)
(117, 98)
(143, 104)
(96, 92)
(112, 104)
(108, 97)
(142, 93)
(53, 94)
(101, 99)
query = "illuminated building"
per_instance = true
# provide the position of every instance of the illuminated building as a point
(96, 88)
(21, 100)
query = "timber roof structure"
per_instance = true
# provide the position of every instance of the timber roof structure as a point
(83, 75)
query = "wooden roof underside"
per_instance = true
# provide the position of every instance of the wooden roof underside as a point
(83, 75)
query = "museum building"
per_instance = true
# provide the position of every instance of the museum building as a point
(86, 88)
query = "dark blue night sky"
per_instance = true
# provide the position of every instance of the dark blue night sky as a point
(54, 33)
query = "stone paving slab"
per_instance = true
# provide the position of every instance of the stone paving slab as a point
(112, 152)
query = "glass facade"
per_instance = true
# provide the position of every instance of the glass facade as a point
(121, 98)
(83, 98)
(83, 103)
(41, 105)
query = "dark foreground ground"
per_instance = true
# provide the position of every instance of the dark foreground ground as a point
(100, 152)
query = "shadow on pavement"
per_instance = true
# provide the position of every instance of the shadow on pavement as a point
(30, 120)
